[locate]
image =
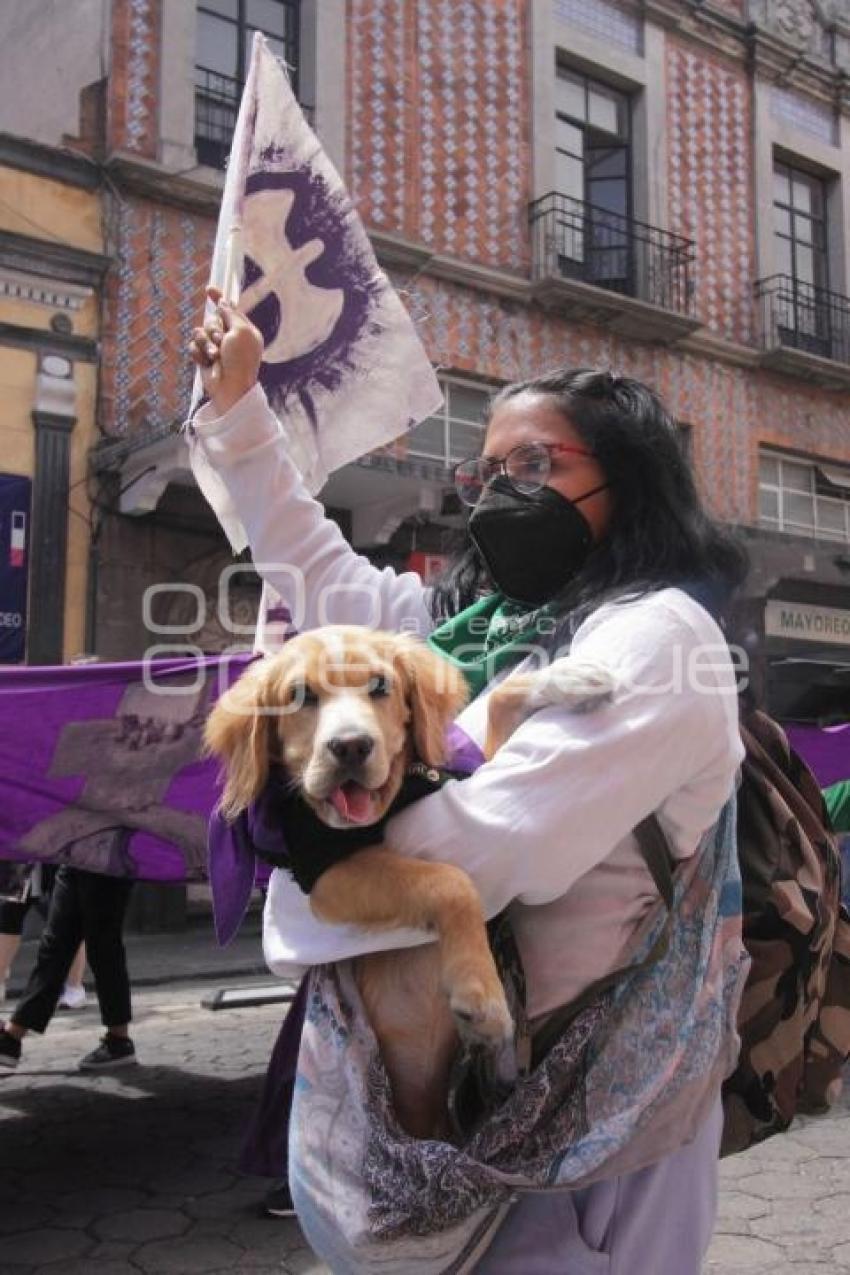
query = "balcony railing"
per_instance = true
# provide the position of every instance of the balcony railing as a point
(217, 99)
(800, 316)
(573, 240)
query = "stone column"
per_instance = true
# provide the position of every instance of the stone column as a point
(54, 418)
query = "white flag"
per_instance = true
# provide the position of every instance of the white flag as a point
(343, 367)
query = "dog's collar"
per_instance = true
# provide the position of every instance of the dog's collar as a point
(419, 770)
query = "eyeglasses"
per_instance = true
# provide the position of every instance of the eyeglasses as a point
(527, 469)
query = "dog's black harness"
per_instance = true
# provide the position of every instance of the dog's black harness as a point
(309, 847)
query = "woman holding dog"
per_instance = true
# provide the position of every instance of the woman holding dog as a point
(586, 532)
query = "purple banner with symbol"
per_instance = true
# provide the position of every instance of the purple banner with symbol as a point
(100, 765)
(14, 540)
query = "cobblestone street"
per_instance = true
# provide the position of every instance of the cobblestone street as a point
(785, 1206)
(135, 1173)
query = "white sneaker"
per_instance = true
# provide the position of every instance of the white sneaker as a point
(72, 997)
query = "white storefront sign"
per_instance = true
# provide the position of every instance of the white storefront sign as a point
(807, 623)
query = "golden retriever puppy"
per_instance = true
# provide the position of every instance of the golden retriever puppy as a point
(346, 711)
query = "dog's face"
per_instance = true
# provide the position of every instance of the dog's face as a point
(344, 709)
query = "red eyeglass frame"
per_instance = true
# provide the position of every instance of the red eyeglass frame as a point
(499, 464)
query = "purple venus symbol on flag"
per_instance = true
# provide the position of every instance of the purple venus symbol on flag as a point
(305, 282)
(308, 315)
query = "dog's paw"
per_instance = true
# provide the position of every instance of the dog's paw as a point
(481, 1013)
(571, 683)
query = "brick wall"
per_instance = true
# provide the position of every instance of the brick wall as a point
(438, 124)
(133, 123)
(709, 167)
(153, 299)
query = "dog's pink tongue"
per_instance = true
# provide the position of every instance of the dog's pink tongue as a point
(352, 802)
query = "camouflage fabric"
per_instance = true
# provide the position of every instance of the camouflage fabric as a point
(795, 1012)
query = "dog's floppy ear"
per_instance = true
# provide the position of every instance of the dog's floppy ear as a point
(437, 692)
(238, 733)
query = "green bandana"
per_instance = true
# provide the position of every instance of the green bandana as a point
(488, 635)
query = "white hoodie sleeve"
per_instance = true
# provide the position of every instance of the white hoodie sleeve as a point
(567, 789)
(296, 548)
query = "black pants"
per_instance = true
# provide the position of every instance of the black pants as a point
(83, 906)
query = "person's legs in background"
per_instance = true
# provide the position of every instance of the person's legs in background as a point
(60, 939)
(22, 886)
(103, 903)
(74, 992)
(12, 915)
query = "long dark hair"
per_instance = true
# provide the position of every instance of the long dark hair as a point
(660, 534)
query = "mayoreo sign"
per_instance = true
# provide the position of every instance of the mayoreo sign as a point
(807, 623)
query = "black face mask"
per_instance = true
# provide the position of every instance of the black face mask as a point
(532, 545)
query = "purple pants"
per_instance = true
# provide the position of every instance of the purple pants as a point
(266, 1146)
(657, 1221)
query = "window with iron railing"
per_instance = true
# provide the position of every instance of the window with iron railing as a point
(593, 168)
(800, 256)
(456, 432)
(800, 316)
(574, 240)
(804, 498)
(225, 30)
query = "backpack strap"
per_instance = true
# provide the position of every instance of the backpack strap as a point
(655, 849)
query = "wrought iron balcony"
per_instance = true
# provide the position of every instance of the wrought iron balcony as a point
(216, 107)
(805, 329)
(612, 269)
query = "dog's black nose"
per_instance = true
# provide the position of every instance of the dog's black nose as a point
(351, 749)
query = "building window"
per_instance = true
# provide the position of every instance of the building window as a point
(225, 30)
(799, 223)
(456, 432)
(804, 498)
(592, 171)
(803, 312)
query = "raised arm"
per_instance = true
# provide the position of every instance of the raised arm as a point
(295, 547)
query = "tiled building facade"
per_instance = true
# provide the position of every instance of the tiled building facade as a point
(657, 186)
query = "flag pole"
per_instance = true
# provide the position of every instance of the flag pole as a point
(232, 263)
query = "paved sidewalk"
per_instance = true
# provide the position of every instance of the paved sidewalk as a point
(134, 1173)
(785, 1205)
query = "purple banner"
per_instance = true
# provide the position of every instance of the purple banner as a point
(826, 750)
(100, 766)
(14, 544)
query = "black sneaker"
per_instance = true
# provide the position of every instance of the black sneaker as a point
(278, 1202)
(10, 1050)
(113, 1051)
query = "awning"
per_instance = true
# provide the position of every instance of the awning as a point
(837, 476)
